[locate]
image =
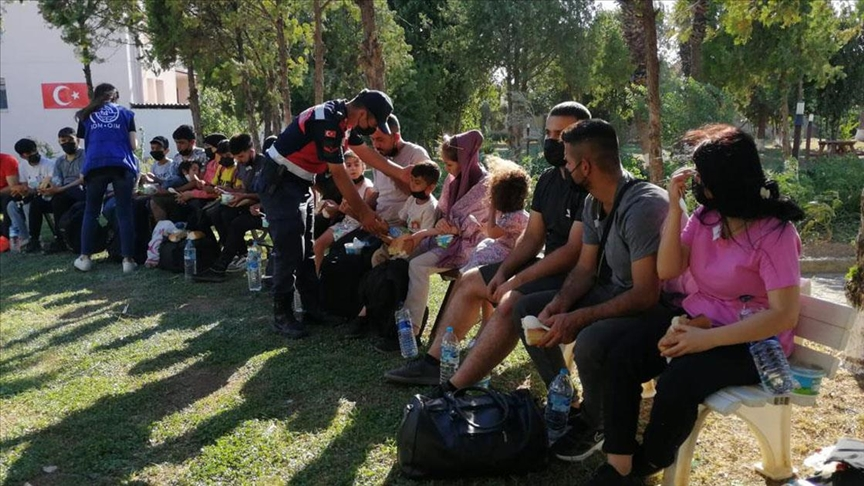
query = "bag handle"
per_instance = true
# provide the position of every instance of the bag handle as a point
(495, 396)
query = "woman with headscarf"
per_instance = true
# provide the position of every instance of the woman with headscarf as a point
(462, 213)
(108, 130)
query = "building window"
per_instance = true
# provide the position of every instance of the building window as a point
(4, 103)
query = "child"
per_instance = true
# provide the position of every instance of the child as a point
(355, 168)
(507, 216)
(164, 170)
(417, 215)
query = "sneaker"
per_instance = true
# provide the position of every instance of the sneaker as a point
(321, 318)
(606, 475)
(238, 265)
(386, 345)
(416, 372)
(210, 275)
(55, 246)
(289, 328)
(32, 246)
(83, 263)
(357, 328)
(579, 443)
(129, 267)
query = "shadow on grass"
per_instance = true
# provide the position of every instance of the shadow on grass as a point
(10, 388)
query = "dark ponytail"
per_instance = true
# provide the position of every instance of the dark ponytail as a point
(780, 207)
(104, 93)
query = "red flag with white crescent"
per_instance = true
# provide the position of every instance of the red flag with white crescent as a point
(64, 95)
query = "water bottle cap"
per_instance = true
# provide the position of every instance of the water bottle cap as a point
(564, 371)
(449, 328)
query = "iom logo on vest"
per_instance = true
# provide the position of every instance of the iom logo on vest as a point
(105, 117)
(59, 96)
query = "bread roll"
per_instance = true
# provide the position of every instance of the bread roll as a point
(534, 336)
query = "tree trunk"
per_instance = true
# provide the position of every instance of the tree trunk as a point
(635, 39)
(655, 156)
(784, 120)
(195, 102)
(319, 52)
(697, 37)
(371, 58)
(284, 87)
(859, 135)
(88, 78)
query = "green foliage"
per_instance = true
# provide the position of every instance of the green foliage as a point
(217, 112)
(688, 104)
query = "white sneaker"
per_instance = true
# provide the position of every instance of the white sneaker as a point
(83, 263)
(237, 266)
(129, 267)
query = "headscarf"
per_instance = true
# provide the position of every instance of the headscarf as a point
(468, 157)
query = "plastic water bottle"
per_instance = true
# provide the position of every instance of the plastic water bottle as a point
(253, 268)
(558, 405)
(485, 381)
(449, 355)
(298, 306)
(405, 330)
(772, 365)
(768, 356)
(190, 260)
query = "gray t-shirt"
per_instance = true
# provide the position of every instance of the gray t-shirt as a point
(67, 171)
(634, 234)
(390, 198)
(198, 155)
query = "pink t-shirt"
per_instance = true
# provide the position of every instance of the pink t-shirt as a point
(764, 257)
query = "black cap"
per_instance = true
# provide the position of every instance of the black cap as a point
(161, 141)
(66, 132)
(379, 105)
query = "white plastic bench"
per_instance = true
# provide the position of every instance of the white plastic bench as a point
(769, 417)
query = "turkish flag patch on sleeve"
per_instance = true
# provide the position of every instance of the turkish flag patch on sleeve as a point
(330, 133)
(64, 95)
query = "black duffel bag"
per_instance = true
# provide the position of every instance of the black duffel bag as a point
(472, 432)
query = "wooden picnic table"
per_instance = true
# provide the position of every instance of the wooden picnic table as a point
(836, 147)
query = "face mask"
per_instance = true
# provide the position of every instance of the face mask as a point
(553, 152)
(186, 152)
(576, 186)
(420, 195)
(358, 180)
(157, 155)
(34, 158)
(69, 147)
(364, 131)
(209, 153)
(226, 161)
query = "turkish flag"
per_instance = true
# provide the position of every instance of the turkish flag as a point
(64, 95)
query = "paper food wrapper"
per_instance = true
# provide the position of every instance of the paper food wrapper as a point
(534, 330)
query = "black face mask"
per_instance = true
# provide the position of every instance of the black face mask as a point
(34, 158)
(186, 152)
(208, 152)
(226, 161)
(359, 179)
(553, 152)
(157, 155)
(69, 147)
(420, 195)
(364, 131)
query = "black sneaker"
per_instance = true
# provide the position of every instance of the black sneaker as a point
(33, 246)
(606, 475)
(357, 328)
(289, 328)
(579, 443)
(56, 246)
(416, 372)
(210, 275)
(386, 345)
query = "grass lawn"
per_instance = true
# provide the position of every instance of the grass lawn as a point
(147, 379)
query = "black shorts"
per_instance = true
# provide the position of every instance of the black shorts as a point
(549, 282)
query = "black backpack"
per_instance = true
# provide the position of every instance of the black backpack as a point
(171, 254)
(340, 283)
(381, 290)
(141, 224)
(70, 225)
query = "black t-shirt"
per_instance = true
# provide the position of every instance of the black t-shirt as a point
(560, 204)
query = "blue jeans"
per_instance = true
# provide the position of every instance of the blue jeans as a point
(124, 184)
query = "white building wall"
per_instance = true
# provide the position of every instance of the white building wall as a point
(32, 53)
(151, 122)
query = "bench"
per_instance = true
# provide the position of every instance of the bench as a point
(769, 417)
(836, 147)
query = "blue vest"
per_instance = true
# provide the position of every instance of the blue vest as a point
(106, 139)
